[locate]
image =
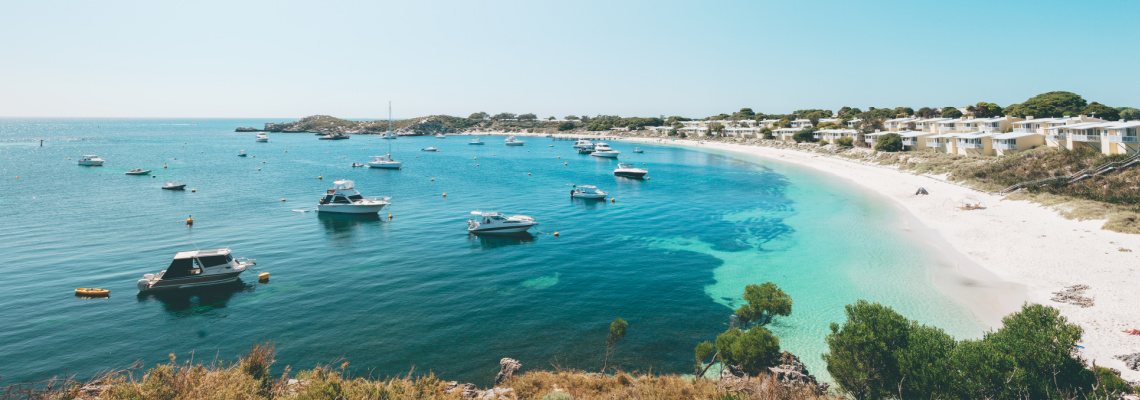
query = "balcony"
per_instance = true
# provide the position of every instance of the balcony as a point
(817, 136)
(1086, 138)
(1005, 146)
(910, 142)
(869, 139)
(1122, 139)
(934, 143)
(970, 145)
(1022, 129)
(1059, 138)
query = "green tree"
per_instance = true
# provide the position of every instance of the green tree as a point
(503, 116)
(716, 128)
(528, 117)
(861, 355)
(767, 133)
(1129, 113)
(804, 135)
(616, 334)
(845, 141)
(890, 142)
(985, 110)
(927, 112)
(570, 118)
(703, 351)
(479, 116)
(746, 113)
(903, 112)
(982, 371)
(763, 302)
(924, 364)
(676, 129)
(753, 351)
(1101, 111)
(566, 126)
(951, 112)
(551, 118)
(1043, 342)
(1048, 105)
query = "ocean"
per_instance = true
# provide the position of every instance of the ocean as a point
(671, 255)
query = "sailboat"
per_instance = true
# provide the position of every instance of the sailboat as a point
(386, 161)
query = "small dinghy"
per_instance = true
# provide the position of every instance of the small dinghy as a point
(432, 148)
(638, 150)
(92, 292)
(356, 164)
(138, 171)
(173, 185)
(242, 154)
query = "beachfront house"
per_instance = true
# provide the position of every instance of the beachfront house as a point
(928, 124)
(854, 123)
(942, 142)
(1121, 138)
(974, 144)
(914, 140)
(785, 133)
(898, 124)
(801, 123)
(1074, 136)
(1014, 142)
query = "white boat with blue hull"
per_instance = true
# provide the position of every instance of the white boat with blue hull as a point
(497, 223)
(511, 141)
(587, 192)
(604, 150)
(91, 160)
(343, 198)
(196, 268)
(629, 171)
(477, 142)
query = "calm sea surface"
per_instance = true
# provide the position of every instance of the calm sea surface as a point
(671, 256)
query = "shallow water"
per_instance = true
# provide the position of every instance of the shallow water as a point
(671, 256)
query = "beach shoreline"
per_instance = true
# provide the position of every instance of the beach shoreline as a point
(1014, 249)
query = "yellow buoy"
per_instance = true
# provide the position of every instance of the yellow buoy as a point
(433, 179)
(264, 276)
(555, 234)
(613, 200)
(189, 221)
(565, 163)
(193, 190)
(164, 166)
(528, 174)
(389, 216)
(319, 177)
(476, 158)
(445, 195)
(283, 199)
(17, 177)
(92, 292)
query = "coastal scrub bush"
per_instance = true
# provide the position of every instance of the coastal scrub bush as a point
(753, 351)
(764, 301)
(566, 126)
(616, 334)
(845, 141)
(877, 353)
(890, 142)
(805, 135)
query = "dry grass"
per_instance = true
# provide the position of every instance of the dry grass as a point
(250, 378)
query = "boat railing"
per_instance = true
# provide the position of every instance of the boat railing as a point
(244, 260)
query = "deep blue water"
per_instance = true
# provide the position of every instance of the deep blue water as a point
(670, 256)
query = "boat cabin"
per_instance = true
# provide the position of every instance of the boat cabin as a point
(191, 263)
(342, 192)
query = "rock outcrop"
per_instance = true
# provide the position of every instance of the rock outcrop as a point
(1074, 295)
(1132, 361)
(792, 373)
(508, 367)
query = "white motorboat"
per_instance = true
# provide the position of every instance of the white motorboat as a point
(583, 144)
(173, 185)
(333, 136)
(586, 150)
(356, 164)
(441, 136)
(638, 150)
(629, 171)
(497, 223)
(138, 171)
(384, 161)
(91, 160)
(261, 137)
(430, 148)
(196, 268)
(343, 198)
(242, 153)
(587, 192)
(511, 141)
(389, 135)
(476, 141)
(604, 150)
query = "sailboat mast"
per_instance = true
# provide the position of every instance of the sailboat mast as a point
(390, 128)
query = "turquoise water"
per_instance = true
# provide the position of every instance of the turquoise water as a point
(671, 256)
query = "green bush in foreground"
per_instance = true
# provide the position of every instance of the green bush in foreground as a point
(890, 143)
(878, 354)
(845, 141)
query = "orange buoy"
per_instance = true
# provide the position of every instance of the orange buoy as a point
(319, 177)
(445, 195)
(164, 166)
(555, 234)
(92, 292)
(433, 179)
(389, 216)
(613, 200)
(565, 163)
(282, 199)
(263, 277)
(193, 190)
(17, 177)
(528, 174)
(189, 221)
(559, 157)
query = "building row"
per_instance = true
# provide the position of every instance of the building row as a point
(966, 135)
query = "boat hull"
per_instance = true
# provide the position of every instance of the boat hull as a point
(386, 165)
(476, 144)
(350, 208)
(163, 285)
(515, 143)
(630, 174)
(592, 196)
(176, 187)
(91, 163)
(605, 154)
(147, 172)
(500, 230)
(263, 140)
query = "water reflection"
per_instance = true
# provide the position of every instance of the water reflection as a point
(342, 226)
(488, 242)
(588, 204)
(197, 301)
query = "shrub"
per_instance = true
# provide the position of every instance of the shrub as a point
(753, 351)
(845, 141)
(890, 142)
(566, 126)
(862, 352)
(806, 135)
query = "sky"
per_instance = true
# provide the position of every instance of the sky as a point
(215, 59)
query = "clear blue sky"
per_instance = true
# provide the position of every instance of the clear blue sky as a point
(700, 58)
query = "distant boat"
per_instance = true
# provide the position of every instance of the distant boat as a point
(432, 148)
(638, 150)
(173, 185)
(261, 137)
(91, 160)
(587, 192)
(138, 171)
(356, 164)
(583, 144)
(604, 150)
(242, 153)
(629, 171)
(511, 141)
(441, 136)
(334, 136)
(496, 223)
(477, 141)
(386, 161)
(344, 199)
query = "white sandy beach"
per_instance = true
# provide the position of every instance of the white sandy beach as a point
(1016, 242)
